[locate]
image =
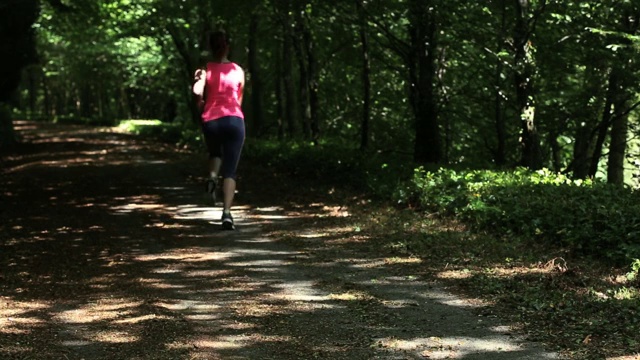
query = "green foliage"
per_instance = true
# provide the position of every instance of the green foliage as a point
(82, 120)
(173, 133)
(584, 216)
(635, 270)
(332, 164)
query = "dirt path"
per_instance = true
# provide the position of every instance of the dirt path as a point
(109, 250)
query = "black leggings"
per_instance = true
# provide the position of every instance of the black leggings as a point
(224, 138)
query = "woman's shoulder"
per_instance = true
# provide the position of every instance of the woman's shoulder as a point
(230, 64)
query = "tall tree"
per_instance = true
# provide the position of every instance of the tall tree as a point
(287, 71)
(17, 49)
(499, 152)
(423, 31)
(629, 25)
(525, 72)
(312, 73)
(366, 75)
(255, 74)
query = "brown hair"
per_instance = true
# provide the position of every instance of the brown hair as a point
(219, 43)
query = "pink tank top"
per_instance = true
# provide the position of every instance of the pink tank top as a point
(223, 91)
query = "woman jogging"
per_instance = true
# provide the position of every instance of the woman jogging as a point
(219, 89)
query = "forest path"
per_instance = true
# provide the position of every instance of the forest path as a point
(109, 250)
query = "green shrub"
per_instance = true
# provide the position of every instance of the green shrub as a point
(635, 270)
(174, 133)
(80, 120)
(584, 216)
(332, 164)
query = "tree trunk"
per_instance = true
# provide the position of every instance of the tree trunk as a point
(303, 66)
(255, 73)
(7, 134)
(500, 125)
(524, 72)
(46, 93)
(17, 17)
(190, 59)
(280, 102)
(287, 76)
(605, 123)
(314, 100)
(581, 150)
(32, 82)
(366, 77)
(618, 146)
(620, 121)
(422, 68)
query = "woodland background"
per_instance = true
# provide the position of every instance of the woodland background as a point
(492, 83)
(456, 108)
(516, 118)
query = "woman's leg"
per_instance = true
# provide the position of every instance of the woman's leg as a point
(214, 166)
(228, 191)
(211, 131)
(231, 150)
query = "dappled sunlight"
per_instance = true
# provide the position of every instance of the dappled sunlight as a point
(455, 274)
(195, 306)
(161, 285)
(298, 291)
(207, 273)
(140, 267)
(101, 310)
(222, 342)
(17, 317)
(449, 347)
(457, 301)
(261, 265)
(113, 337)
(335, 211)
(350, 296)
(314, 235)
(193, 212)
(185, 256)
(380, 262)
(133, 207)
(403, 260)
(140, 319)
(313, 210)
(365, 263)
(138, 203)
(269, 213)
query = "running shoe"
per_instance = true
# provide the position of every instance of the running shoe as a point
(227, 221)
(212, 185)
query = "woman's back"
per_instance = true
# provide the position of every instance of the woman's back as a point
(223, 91)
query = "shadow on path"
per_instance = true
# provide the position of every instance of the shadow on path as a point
(109, 250)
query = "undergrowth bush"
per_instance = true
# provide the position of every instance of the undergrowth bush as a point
(376, 173)
(588, 217)
(80, 120)
(174, 133)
